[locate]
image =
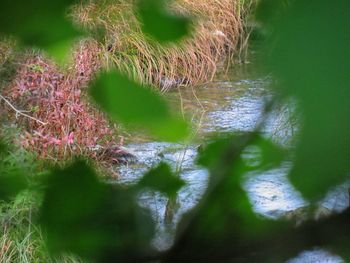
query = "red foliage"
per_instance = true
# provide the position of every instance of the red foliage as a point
(59, 100)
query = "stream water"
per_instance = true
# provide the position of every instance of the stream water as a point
(232, 103)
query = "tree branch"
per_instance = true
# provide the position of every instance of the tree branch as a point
(21, 112)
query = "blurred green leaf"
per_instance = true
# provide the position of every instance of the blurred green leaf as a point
(271, 154)
(94, 220)
(223, 223)
(208, 157)
(39, 23)
(311, 60)
(159, 23)
(12, 177)
(226, 207)
(225, 200)
(270, 11)
(163, 180)
(213, 154)
(2, 148)
(130, 103)
(11, 184)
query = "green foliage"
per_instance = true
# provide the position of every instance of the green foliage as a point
(226, 201)
(12, 177)
(21, 238)
(163, 180)
(270, 154)
(311, 61)
(92, 219)
(39, 23)
(17, 229)
(159, 23)
(130, 103)
(271, 11)
(308, 55)
(11, 184)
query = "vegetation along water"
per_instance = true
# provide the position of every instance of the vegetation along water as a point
(150, 131)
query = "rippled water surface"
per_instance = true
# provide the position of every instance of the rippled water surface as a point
(233, 103)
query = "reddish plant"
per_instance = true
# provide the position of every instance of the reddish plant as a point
(63, 122)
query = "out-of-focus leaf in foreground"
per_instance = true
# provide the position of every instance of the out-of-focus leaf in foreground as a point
(311, 60)
(223, 226)
(265, 153)
(12, 177)
(225, 200)
(132, 104)
(163, 180)
(259, 154)
(270, 11)
(94, 220)
(39, 23)
(11, 184)
(159, 23)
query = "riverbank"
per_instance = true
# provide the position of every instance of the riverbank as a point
(49, 108)
(217, 35)
(50, 105)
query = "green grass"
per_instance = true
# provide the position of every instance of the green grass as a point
(21, 239)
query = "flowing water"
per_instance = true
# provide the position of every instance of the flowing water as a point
(232, 103)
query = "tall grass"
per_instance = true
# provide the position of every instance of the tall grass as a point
(21, 239)
(218, 34)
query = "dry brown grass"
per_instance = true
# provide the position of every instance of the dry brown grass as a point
(216, 36)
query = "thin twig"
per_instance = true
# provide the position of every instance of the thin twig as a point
(21, 112)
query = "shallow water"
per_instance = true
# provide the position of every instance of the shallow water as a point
(230, 104)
